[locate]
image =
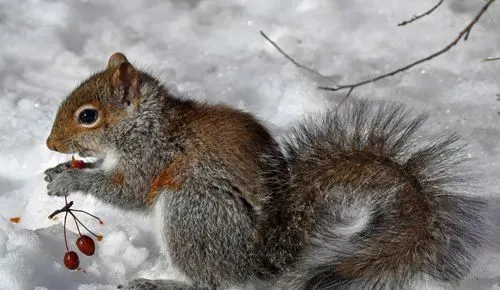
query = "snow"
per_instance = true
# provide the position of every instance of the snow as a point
(212, 50)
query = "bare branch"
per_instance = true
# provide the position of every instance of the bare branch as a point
(464, 34)
(417, 17)
(299, 65)
(346, 97)
(491, 58)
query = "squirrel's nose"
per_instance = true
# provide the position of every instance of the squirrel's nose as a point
(51, 144)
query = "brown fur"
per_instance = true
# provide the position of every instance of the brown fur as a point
(225, 133)
(66, 127)
(408, 236)
(409, 242)
(116, 60)
(118, 178)
(217, 132)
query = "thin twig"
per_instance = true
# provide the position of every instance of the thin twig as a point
(287, 56)
(463, 34)
(346, 97)
(64, 209)
(491, 58)
(417, 17)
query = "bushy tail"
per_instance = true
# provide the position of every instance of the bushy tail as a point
(390, 204)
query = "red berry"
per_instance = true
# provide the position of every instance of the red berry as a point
(71, 260)
(77, 164)
(86, 245)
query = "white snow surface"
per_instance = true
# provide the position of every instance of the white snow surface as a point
(212, 50)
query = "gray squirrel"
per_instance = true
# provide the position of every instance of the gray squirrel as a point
(357, 198)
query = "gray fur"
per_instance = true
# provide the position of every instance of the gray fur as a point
(389, 132)
(286, 225)
(145, 284)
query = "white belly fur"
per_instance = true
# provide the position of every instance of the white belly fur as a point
(161, 216)
(160, 220)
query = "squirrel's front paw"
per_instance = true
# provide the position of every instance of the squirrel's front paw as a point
(62, 183)
(51, 173)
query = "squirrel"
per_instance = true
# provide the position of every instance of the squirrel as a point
(359, 197)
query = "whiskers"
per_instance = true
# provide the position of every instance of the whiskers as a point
(79, 149)
(92, 149)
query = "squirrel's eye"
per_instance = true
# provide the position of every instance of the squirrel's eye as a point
(88, 116)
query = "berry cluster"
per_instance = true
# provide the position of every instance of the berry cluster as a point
(84, 243)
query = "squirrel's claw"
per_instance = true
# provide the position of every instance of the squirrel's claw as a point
(52, 172)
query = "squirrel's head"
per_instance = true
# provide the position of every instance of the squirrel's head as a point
(94, 107)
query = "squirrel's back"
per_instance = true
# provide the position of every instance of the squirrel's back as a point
(383, 206)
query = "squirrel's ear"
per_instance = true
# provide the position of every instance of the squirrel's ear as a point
(127, 76)
(116, 59)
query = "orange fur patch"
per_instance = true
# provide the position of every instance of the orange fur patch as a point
(170, 178)
(118, 178)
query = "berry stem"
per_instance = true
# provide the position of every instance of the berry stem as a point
(82, 211)
(76, 219)
(65, 239)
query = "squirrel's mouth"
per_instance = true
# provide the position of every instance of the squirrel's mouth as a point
(86, 152)
(103, 157)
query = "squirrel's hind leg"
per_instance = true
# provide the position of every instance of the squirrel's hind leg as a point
(145, 284)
